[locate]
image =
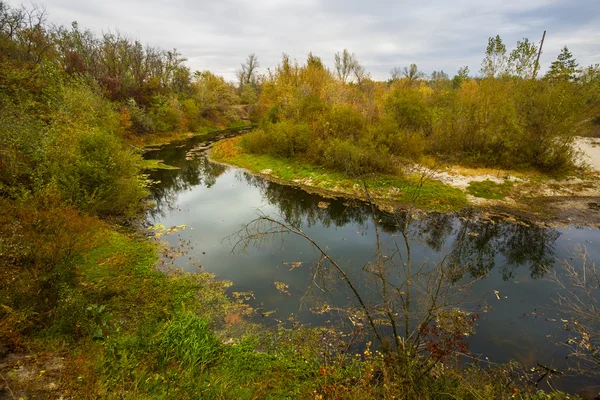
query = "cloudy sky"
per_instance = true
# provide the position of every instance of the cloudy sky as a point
(435, 34)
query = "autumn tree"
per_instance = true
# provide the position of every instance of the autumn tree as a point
(461, 76)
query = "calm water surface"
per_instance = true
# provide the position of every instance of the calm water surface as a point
(214, 201)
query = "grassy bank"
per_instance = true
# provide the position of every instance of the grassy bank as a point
(552, 199)
(386, 189)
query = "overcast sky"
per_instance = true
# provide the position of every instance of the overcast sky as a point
(437, 34)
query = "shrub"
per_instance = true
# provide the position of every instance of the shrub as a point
(41, 242)
(284, 139)
(140, 120)
(356, 159)
(408, 108)
(101, 177)
(342, 122)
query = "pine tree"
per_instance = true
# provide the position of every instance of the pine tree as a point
(565, 66)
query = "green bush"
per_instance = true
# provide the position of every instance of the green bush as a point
(356, 159)
(342, 122)
(101, 176)
(408, 108)
(284, 139)
(140, 120)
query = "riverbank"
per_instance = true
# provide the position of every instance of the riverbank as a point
(133, 327)
(527, 195)
(132, 331)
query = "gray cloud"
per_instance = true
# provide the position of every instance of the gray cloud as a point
(436, 34)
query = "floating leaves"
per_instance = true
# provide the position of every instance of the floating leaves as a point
(321, 309)
(293, 265)
(282, 287)
(161, 230)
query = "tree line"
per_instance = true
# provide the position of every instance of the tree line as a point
(507, 116)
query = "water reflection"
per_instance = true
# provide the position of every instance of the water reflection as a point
(507, 258)
(477, 242)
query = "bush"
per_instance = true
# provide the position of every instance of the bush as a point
(342, 122)
(408, 108)
(284, 139)
(166, 114)
(101, 176)
(400, 142)
(41, 243)
(356, 159)
(140, 120)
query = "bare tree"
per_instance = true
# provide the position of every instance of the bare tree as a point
(410, 73)
(248, 73)
(347, 65)
(414, 316)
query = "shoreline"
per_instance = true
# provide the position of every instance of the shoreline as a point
(555, 210)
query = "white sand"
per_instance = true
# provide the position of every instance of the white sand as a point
(591, 151)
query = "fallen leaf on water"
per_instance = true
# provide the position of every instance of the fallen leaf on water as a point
(282, 287)
(293, 265)
(323, 204)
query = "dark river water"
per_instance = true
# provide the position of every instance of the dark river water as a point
(511, 261)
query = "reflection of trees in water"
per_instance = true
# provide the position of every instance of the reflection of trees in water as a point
(521, 245)
(194, 172)
(476, 244)
(299, 207)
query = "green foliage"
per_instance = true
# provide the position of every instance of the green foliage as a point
(140, 120)
(285, 139)
(67, 136)
(189, 340)
(495, 63)
(355, 159)
(490, 190)
(409, 109)
(41, 246)
(522, 60)
(565, 66)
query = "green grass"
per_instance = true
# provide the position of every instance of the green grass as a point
(431, 195)
(490, 190)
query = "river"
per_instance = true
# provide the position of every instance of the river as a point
(509, 262)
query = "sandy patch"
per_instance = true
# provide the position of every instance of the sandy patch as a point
(590, 147)
(455, 179)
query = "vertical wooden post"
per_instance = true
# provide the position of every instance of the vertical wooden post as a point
(537, 61)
